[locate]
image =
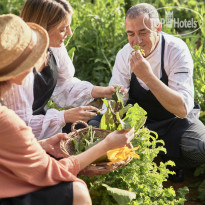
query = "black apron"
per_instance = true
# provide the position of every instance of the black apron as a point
(168, 126)
(44, 85)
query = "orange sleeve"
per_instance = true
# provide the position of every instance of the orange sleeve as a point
(24, 162)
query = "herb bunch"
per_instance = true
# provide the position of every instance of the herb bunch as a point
(136, 48)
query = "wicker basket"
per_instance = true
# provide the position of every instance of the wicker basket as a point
(67, 146)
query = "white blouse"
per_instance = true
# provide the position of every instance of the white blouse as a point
(69, 91)
(178, 65)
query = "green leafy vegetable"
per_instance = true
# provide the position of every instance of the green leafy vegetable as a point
(135, 117)
(141, 180)
(121, 196)
(118, 96)
(87, 141)
(115, 119)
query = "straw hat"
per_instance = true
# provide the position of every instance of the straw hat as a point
(22, 46)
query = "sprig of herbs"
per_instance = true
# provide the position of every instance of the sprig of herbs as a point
(136, 48)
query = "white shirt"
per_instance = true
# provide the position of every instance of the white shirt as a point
(69, 91)
(178, 65)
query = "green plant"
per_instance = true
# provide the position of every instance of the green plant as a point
(98, 35)
(11, 6)
(198, 55)
(141, 181)
(141, 176)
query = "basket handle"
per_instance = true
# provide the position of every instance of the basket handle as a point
(78, 122)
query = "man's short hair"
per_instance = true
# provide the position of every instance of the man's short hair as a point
(144, 8)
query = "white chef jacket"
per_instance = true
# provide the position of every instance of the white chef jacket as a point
(178, 65)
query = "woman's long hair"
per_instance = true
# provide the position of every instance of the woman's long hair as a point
(46, 13)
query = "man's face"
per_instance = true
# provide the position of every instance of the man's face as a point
(141, 32)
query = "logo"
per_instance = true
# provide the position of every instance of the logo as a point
(178, 21)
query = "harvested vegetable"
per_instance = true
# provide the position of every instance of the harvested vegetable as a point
(121, 154)
(86, 142)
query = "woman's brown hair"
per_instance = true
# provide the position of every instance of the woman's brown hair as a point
(46, 13)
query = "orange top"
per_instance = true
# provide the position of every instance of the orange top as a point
(24, 165)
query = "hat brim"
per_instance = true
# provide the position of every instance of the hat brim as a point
(37, 55)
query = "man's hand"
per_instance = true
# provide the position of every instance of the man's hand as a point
(52, 145)
(108, 91)
(170, 99)
(141, 67)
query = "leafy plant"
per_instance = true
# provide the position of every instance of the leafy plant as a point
(121, 196)
(141, 177)
(11, 6)
(97, 38)
(115, 118)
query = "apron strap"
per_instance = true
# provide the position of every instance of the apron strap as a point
(164, 77)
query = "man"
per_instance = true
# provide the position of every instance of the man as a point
(161, 82)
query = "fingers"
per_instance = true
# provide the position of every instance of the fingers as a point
(87, 112)
(113, 90)
(83, 113)
(58, 137)
(62, 136)
(123, 90)
(90, 108)
(138, 55)
(130, 133)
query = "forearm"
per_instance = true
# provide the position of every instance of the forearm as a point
(92, 154)
(44, 126)
(72, 92)
(169, 99)
(98, 91)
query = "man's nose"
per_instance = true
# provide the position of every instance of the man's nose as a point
(137, 40)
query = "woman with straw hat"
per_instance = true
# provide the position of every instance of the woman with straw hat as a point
(56, 79)
(27, 174)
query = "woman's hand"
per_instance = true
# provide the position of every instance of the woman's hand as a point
(114, 140)
(83, 113)
(52, 145)
(106, 92)
(123, 90)
(119, 138)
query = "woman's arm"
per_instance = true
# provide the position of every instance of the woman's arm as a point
(114, 140)
(25, 161)
(20, 99)
(70, 91)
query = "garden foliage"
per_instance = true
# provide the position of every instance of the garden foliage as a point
(98, 34)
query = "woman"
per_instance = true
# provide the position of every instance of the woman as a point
(27, 174)
(56, 79)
